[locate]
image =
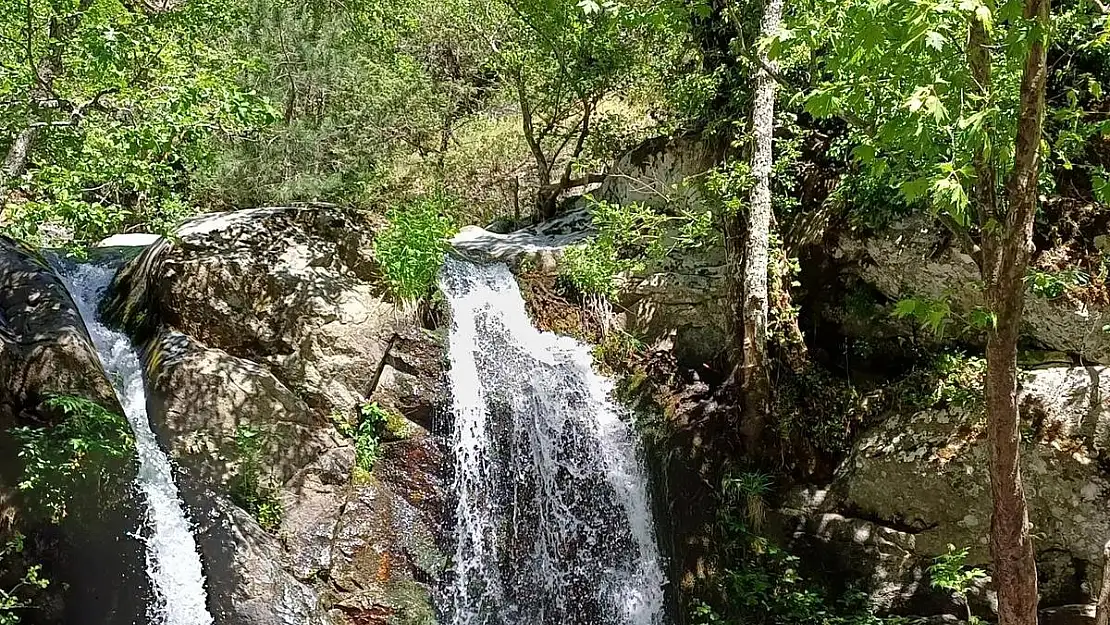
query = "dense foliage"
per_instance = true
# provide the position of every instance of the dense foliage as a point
(87, 455)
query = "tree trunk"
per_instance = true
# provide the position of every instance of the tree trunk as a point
(755, 381)
(1102, 608)
(1007, 246)
(15, 162)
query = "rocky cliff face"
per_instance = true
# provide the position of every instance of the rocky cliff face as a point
(915, 258)
(917, 483)
(271, 321)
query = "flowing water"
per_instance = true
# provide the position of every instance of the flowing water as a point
(553, 523)
(172, 561)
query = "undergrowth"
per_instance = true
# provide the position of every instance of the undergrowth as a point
(373, 425)
(756, 582)
(250, 489)
(85, 454)
(629, 236)
(411, 248)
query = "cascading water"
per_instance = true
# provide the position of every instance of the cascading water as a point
(553, 523)
(173, 563)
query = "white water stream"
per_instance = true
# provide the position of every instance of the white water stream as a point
(553, 522)
(172, 560)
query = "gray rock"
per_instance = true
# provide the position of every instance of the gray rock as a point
(275, 319)
(926, 474)
(913, 258)
(202, 397)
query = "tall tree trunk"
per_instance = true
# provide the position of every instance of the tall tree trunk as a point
(756, 383)
(1102, 607)
(1007, 246)
(15, 161)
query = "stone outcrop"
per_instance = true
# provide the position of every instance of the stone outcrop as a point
(91, 557)
(918, 482)
(915, 258)
(274, 320)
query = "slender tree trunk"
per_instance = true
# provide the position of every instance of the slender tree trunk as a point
(1102, 608)
(1007, 246)
(15, 161)
(756, 383)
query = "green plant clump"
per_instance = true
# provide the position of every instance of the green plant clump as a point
(13, 600)
(950, 572)
(412, 247)
(628, 237)
(86, 453)
(249, 489)
(368, 444)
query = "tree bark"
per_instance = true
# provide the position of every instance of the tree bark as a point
(755, 381)
(1007, 246)
(1102, 608)
(15, 161)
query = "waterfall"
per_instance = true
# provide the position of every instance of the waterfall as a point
(172, 561)
(553, 524)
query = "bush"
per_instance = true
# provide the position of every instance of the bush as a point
(86, 453)
(374, 423)
(249, 490)
(411, 248)
(756, 582)
(13, 600)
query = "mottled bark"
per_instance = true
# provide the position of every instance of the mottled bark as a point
(1102, 607)
(15, 161)
(1007, 245)
(756, 383)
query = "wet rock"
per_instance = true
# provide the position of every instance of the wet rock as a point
(275, 319)
(93, 559)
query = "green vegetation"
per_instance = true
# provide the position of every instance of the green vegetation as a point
(950, 572)
(411, 248)
(373, 425)
(757, 582)
(89, 453)
(629, 237)
(13, 601)
(987, 117)
(251, 489)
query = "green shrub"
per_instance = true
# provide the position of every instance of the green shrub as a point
(86, 453)
(13, 600)
(1054, 284)
(368, 444)
(950, 572)
(949, 378)
(250, 490)
(755, 582)
(628, 237)
(411, 248)
(374, 423)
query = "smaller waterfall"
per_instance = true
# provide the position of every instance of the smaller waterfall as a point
(553, 523)
(173, 563)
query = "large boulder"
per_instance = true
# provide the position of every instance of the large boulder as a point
(274, 321)
(92, 557)
(915, 257)
(920, 481)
